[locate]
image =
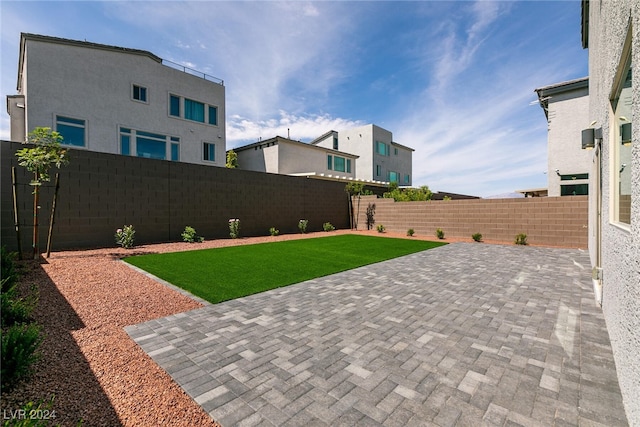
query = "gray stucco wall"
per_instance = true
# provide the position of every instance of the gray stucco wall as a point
(95, 85)
(609, 24)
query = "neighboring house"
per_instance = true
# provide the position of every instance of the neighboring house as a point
(610, 31)
(118, 100)
(379, 157)
(566, 107)
(288, 157)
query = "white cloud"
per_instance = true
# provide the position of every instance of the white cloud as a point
(242, 130)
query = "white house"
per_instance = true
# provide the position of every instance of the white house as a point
(379, 157)
(612, 141)
(288, 157)
(118, 100)
(566, 107)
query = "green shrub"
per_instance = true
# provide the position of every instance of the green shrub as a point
(19, 351)
(190, 235)
(380, 228)
(410, 232)
(15, 309)
(8, 272)
(408, 194)
(274, 231)
(302, 225)
(521, 239)
(38, 414)
(477, 237)
(234, 228)
(125, 236)
(440, 233)
(327, 226)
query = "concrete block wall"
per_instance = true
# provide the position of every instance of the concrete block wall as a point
(550, 221)
(101, 192)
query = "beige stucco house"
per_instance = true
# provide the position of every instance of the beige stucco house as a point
(566, 108)
(288, 157)
(118, 100)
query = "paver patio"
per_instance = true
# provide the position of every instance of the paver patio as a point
(464, 334)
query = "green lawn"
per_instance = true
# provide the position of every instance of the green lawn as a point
(226, 273)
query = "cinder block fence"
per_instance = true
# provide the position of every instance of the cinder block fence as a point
(551, 221)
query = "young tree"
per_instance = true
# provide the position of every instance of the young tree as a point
(354, 189)
(39, 159)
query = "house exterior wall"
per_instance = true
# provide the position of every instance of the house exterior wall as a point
(568, 116)
(610, 25)
(95, 84)
(260, 159)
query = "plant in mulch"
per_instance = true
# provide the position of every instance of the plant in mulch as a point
(521, 239)
(380, 228)
(125, 236)
(327, 226)
(190, 235)
(477, 237)
(410, 232)
(440, 233)
(371, 212)
(302, 225)
(274, 231)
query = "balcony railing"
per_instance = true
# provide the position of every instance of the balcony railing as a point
(192, 72)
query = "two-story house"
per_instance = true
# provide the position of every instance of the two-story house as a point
(118, 100)
(379, 157)
(566, 108)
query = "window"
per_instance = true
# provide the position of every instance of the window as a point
(407, 179)
(193, 110)
(335, 142)
(574, 190)
(393, 176)
(338, 164)
(151, 145)
(378, 170)
(395, 151)
(329, 162)
(574, 177)
(174, 106)
(348, 165)
(175, 152)
(125, 141)
(622, 141)
(148, 145)
(213, 115)
(139, 93)
(72, 131)
(382, 148)
(209, 152)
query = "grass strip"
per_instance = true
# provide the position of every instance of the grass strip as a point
(222, 274)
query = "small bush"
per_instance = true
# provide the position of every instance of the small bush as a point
(190, 235)
(327, 226)
(274, 231)
(380, 228)
(38, 414)
(302, 225)
(8, 272)
(477, 237)
(19, 352)
(125, 236)
(521, 239)
(15, 309)
(440, 233)
(410, 232)
(234, 228)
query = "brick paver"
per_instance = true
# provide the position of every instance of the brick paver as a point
(464, 334)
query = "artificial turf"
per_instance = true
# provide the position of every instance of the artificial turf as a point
(223, 274)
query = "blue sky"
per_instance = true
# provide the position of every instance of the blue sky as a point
(454, 80)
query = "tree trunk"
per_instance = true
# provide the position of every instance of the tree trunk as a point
(36, 200)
